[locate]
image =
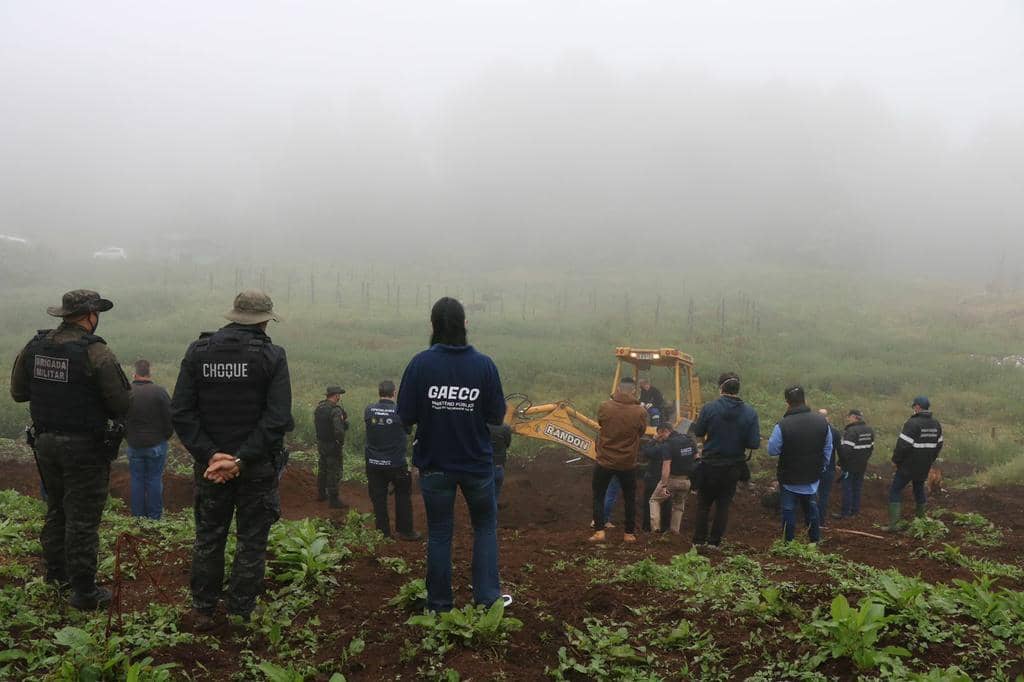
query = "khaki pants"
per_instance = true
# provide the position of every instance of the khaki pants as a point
(678, 488)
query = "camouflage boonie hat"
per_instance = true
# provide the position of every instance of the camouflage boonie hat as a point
(335, 390)
(252, 306)
(80, 302)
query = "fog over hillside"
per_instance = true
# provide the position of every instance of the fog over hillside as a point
(880, 135)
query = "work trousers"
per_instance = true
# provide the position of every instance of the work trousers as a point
(900, 481)
(329, 469)
(824, 493)
(670, 498)
(853, 484)
(76, 476)
(599, 486)
(717, 487)
(664, 504)
(378, 481)
(252, 500)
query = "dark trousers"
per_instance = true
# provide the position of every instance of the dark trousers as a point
(718, 486)
(252, 499)
(378, 480)
(853, 484)
(329, 470)
(599, 485)
(77, 478)
(499, 479)
(666, 506)
(824, 492)
(900, 481)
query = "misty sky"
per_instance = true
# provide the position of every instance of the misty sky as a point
(120, 117)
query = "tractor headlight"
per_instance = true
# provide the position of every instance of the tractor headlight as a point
(657, 356)
(632, 355)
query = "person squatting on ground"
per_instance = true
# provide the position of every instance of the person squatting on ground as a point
(855, 448)
(829, 475)
(331, 423)
(450, 393)
(231, 409)
(147, 428)
(501, 440)
(675, 452)
(623, 421)
(729, 427)
(386, 442)
(74, 387)
(802, 441)
(916, 449)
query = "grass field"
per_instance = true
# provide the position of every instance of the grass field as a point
(942, 602)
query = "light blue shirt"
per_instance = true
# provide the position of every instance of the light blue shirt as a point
(775, 449)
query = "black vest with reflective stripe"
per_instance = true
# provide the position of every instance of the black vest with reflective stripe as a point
(323, 422)
(63, 396)
(232, 378)
(803, 446)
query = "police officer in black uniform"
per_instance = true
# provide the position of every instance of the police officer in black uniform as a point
(918, 446)
(331, 423)
(855, 449)
(77, 395)
(386, 443)
(231, 409)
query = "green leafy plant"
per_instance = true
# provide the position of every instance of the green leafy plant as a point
(927, 528)
(303, 555)
(394, 563)
(412, 596)
(471, 626)
(852, 632)
(602, 652)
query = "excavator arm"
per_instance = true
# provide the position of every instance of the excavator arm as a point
(557, 423)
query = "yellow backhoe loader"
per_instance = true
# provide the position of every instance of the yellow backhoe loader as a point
(563, 424)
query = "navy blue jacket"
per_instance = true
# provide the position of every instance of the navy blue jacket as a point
(731, 427)
(386, 436)
(451, 394)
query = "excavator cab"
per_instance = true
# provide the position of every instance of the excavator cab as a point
(563, 424)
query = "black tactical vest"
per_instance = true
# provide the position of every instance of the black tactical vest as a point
(232, 378)
(63, 397)
(323, 422)
(683, 448)
(803, 446)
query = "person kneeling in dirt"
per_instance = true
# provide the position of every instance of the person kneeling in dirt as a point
(232, 406)
(331, 423)
(729, 427)
(802, 441)
(386, 441)
(623, 421)
(855, 448)
(917, 447)
(675, 456)
(451, 392)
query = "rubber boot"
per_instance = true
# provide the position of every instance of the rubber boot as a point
(334, 502)
(98, 598)
(895, 512)
(919, 511)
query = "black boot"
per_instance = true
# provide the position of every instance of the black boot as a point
(98, 598)
(335, 502)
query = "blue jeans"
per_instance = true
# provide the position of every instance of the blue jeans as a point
(146, 466)
(438, 489)
(614, 488)
(899, 482)
(809, 505)
(824, 491)
(499, 478)
(853, 483)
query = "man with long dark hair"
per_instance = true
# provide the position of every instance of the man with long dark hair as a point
(451, 392)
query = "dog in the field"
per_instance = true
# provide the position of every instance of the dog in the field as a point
(934, 483)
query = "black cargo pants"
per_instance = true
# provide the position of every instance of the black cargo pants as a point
(378, 480)
(252, 499)
(76, 476)
(329, 469)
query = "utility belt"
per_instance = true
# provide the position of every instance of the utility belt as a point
(107, 441)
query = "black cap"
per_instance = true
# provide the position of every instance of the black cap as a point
(855, 413)
(335, 390)
(665, 426)
(922, 402)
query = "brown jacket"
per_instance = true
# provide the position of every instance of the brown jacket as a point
(623, 421)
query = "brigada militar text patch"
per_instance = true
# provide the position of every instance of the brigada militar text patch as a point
(50, 369)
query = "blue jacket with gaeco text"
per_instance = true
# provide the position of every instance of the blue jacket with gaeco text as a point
(451, 394)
